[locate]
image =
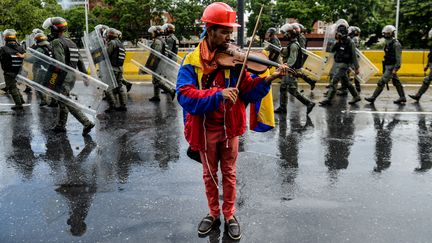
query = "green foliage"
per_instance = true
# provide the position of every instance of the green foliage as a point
(415, 23)
(25, 15)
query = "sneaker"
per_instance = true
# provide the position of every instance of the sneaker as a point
(87, 129)
(370, 99)
(154, 99)
(325, 102)
(233, 228)
(207, 224)
(280, 110)
(354, 100)
(401, 100)
(59, 129)
(415, 97)
(310, 108)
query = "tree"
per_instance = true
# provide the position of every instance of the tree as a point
(25, 15)
(415, 23)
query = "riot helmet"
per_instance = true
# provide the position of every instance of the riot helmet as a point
(56, 24)
(119, 33)
(302, 28)
(341, 29)
(296, 27)
(112, 33)
(389, 31)
(353, 31)
(288, 31)
(168, 28)
(9, 35)
(155, 30)
(272, 31)
(41, 39)
(36, 31)
(101, 28)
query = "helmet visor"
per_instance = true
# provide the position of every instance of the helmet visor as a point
(47, 23)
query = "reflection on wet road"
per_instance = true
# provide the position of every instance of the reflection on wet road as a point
(357, 174)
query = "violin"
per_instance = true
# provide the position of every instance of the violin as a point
(257, 62)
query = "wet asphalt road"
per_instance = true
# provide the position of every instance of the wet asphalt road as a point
(356, 175)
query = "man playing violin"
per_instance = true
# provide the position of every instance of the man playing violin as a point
(215, 113)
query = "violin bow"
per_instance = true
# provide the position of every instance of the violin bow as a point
(249, 48)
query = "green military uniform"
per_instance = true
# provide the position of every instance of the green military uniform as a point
(172, 45)
(292, 56)
(65, 51)
(392, 61)
(301, 38)
(11, 64)
(116, 53)
(38, 69)
(159, 45)
(273, 53)
(345, 57)
(426, 81)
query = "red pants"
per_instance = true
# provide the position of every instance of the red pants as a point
(217, 151)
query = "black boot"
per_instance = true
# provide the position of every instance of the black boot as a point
(376, 93)
(401, 93)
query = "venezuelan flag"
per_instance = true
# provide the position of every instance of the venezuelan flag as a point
(262, 112)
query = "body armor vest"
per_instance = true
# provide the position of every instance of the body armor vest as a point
(71, 52)
(118, 56)
(10, 62)
(343, 53)
(299, 60)
(390, 53)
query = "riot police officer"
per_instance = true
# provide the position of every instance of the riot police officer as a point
(126, 83)
(159, 45)
(66, 51)
(293, 57)
(117, 54)
(301, 38)
(427, 80)
(345, 57)
(171, 40)
(43, 46)
(391, 64)
(273, 49)
(354, 34)
(11, 58)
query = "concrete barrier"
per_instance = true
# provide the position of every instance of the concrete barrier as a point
(411, 71)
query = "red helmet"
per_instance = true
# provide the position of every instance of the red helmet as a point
(220, 14)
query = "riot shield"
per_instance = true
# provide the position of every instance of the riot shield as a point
(99, 62)
(1, 39)
(367, 68)
(313, 65)
(50, 77)
(2, 81)
(329, 42)
(156, 64)
(173, 56)
(29, 40)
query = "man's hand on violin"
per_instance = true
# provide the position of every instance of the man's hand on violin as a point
(282, 70)
(230, 94)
